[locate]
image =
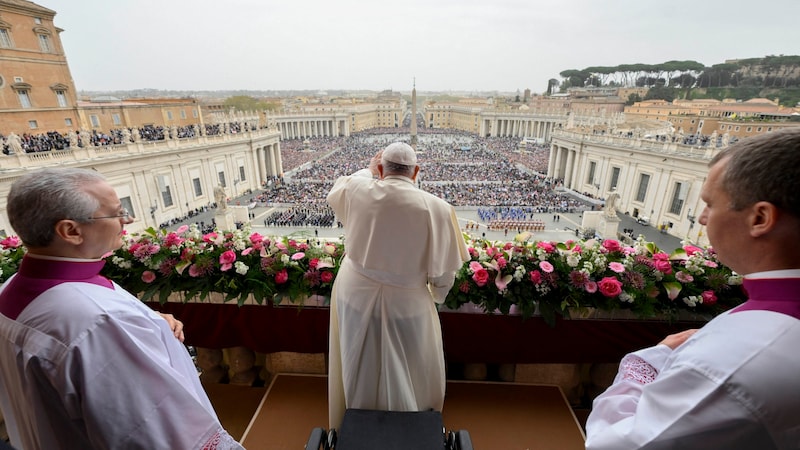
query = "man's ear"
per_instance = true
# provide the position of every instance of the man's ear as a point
(69, 231)
(380, 170)
(416, 171)
(763, 218)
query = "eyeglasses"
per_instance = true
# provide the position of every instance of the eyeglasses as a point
(123, 214)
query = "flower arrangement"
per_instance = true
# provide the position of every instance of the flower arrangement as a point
(11, 253)
(235, 263)
(551, 278)
(606, 275)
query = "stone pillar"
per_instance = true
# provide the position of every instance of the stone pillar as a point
(242, 363)
(210, 361)
(568, 170)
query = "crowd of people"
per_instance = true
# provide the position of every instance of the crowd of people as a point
(53, 140)
(311, 215)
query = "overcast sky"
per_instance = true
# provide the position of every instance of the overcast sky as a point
(458, 45)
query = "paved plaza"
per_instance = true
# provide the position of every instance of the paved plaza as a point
(560, 230)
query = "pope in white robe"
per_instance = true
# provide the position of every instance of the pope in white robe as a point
(403, 247)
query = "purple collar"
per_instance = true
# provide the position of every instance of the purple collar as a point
(781, 295)
(37, 275)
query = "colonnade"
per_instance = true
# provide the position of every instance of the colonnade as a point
(518, 127)
(304, 127)
(269, 160)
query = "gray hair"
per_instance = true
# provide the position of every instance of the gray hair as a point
(392, 168)
(40, 199)
(763, 168)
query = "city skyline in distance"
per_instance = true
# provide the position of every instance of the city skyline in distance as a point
(449, 46)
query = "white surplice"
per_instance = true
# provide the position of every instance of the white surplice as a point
(100, 370)
(403, 247)
(735, 384)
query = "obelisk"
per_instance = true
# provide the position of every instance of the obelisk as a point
(414, 115)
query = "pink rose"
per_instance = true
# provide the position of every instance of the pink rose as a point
(227, 257)
(590, 286)
(475, 266)
(313, 262)
(281, 277)
(148, 276)
(663, 266)
(481, 277)
(610, 287)
(536, 277)
(611, 245)
(709, 298)
(326, 277)
(691, 249)
(546, 246)
(11, 242)
(546, 267)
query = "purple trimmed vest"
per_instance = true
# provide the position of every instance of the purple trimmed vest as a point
(37, 275)
(781, 295)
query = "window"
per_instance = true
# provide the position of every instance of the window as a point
(44, 43)
(127, 204)
(68, 122)
(38, 21)
(198, 188)
(614, 177)
(592, 169)
(194, 113)
(183, 114)
(164, 188)
(95, 120)
(115, 119)
(641, 191)
(5, 38)
(242, 177)
(24, 98)
(678, 197)
(221, 176)
(32, 124)
(169, 115)
(61, 96)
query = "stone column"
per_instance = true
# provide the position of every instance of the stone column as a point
(568, 169)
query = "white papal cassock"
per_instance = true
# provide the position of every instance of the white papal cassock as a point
(403, 247)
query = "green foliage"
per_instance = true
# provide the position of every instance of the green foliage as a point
(247, 103)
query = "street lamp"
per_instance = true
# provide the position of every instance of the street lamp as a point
(691, 218)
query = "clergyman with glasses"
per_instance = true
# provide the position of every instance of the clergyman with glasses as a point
(83, 363)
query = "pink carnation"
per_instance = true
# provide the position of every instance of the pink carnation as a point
(616, 267)
(546, 267)
(298, 256)
(148, 276)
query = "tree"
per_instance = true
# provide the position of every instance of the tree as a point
(247, 103)
(633, 98)
(660, 92)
